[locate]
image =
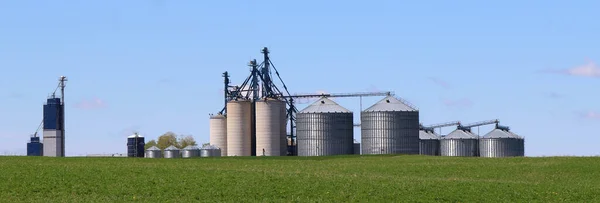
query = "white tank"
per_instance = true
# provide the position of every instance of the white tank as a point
(239, 128)
(268, 127)
(218, 133)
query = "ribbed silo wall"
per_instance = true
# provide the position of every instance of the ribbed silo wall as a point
(135, 146)
(268, 127)
(52, 143)
(153, 154)
(169, 154)
(459, 147)
(429, 147)
(500, 147)
(390, 132)
(239, 128)
(324, 134)
(218, 132)
(356, 148)
(210, 152)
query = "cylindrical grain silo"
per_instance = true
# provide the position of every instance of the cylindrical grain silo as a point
(459, 143)
(218, 132)
(390, 127)
(356, 148)
(239, 128)
(429, 143)
(190, 151)
(172, 152)
(210, 151)
(500, 143)
(268, 127)
(324, 128)
(153, 152)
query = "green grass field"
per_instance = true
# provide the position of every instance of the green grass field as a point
(300, 179)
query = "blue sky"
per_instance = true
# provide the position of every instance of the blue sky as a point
(155, 66)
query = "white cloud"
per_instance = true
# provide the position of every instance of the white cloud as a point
(593, 115)
(94, 103)
(590, 69)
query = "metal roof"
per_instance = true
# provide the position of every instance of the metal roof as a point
(325, 105)
(190, 148)
(218, 116)
(497, 133)
(135, 135)
(423, 135)
(210, 147)
(390, 103)
(153, 148)
(460, 134)
(171, 148)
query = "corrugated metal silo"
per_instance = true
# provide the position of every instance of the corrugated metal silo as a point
(390, 127)
(153, 152)
(135, 145)
(500, 143)
(268, 127)
(218, 132)
(459, 143)
(35, 147)
(429, 143)
(172, 152)
(190, 151)
(324, 128)
(210, 151)
(239, 128)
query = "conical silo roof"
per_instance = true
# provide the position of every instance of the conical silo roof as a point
(460, 134)
(135, 135)
(153, 148)
(210, 147)
(325, 105)
(171, 148)
(497, 133)
(190, 148)
(390, 103)
(424, 135)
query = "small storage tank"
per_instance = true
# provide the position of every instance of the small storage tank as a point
(324, 128)
(390, 127)
(239, 128)
(269, 121)
(153, 152)
(429, 143)
(210, 151)
(172, 152)
(218, 132)
(356, 148)
(35, 147)
(459, 143)
(190, 151)
(135, 145)
(501, 143)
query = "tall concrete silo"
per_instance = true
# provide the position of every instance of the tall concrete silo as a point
(268, 127)
(239, 128)
(501, 143)
(283, 133)
(429, 143)
(324, 128)
(390, 127)
(218, 132)
(459, 143)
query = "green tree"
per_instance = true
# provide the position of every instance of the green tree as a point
(205, 144)
(166, 140)
(149, 144)
(185, 141)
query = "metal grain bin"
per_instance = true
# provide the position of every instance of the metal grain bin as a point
(429, 143)
(324, 128)
(135, 145)
(210, 151)
(218, 132)
(239, 128)
(153, 152)
(390, 127)
(190, 151)
(269, 119)
(459, 143)
(172, 152)
(500, 143)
